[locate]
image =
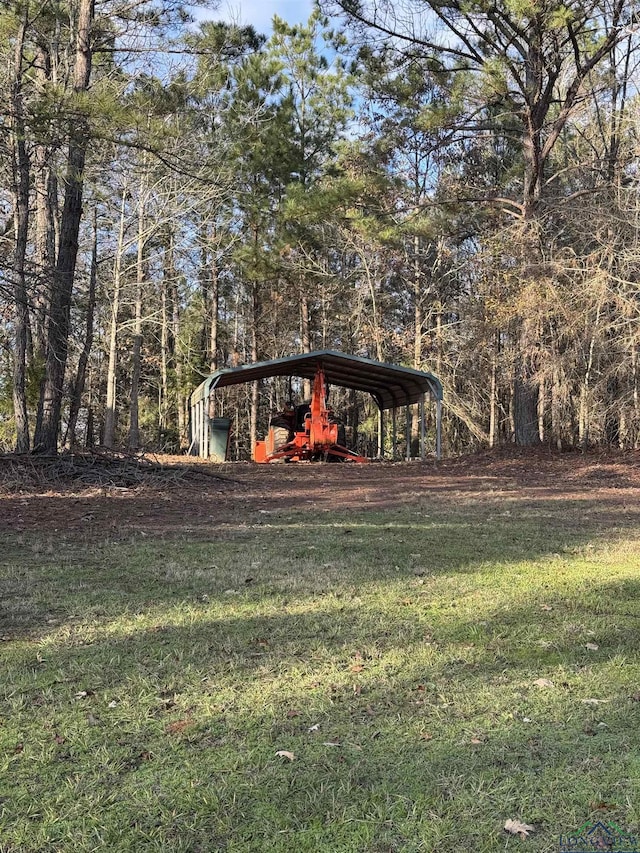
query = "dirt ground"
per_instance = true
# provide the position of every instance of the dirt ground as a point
(166, 495)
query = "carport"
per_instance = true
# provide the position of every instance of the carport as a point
(391, 387)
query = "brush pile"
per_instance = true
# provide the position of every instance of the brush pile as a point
(98, 467)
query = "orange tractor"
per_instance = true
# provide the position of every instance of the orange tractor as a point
(306, 432)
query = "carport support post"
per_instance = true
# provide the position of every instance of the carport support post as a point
(422, 429)
(203, 443)
(438, 429)
(205, 428)
(407, 429)
(394, 434)
(203, 425)
(380, 433)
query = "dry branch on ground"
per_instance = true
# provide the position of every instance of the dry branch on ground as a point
(96, 468)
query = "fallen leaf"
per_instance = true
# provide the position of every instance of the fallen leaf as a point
(357, 667)
(516, 827)
(601, 807)
(426, 736)
(476, 740)
(593, 647)
(293, 713)
(112, 704)
(283, 753)
(314, 727)
(177, 727)
(593, 701)
(546, 607)
(526, 719)
(81, 694)
(59, 739)
(543, 682)
(635, 697)
(330, 743)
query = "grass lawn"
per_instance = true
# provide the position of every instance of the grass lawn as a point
(427, 672)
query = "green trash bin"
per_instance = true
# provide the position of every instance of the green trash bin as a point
(219, 434)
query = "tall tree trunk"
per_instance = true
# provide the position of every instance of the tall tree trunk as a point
(354, 418)
(166, 333)
(136, 356)
(78, 387)
(253, 411)
(556, 422)
(210, 284)
(110, 413)
(177, 354)
(89, 437)
(20, 179)
(203, 278)
(439, 339)
(214, 309)
(525, 405)
(584, 424)
(305, 336)
(525, 337)
(59, 313)
(418, 318)
(493, 395)
(635, 379)
(164, 359)
(542, 406)
(45, 203)
(612, 426)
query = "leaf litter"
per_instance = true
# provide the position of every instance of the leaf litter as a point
(517, 827)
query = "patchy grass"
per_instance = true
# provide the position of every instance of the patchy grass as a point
(148, 685)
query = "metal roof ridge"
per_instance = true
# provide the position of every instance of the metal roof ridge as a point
(394, 371)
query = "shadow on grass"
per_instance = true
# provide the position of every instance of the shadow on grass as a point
(45, 581)
(163, 677)
(416, 747)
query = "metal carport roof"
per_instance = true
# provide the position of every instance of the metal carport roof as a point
(389, 385)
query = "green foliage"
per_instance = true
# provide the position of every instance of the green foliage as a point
(35, 375)
(7, 424)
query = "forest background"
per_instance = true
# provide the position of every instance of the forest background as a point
(448, 186)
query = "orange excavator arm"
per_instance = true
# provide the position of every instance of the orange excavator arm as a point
(318, 439)
(322, 434)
